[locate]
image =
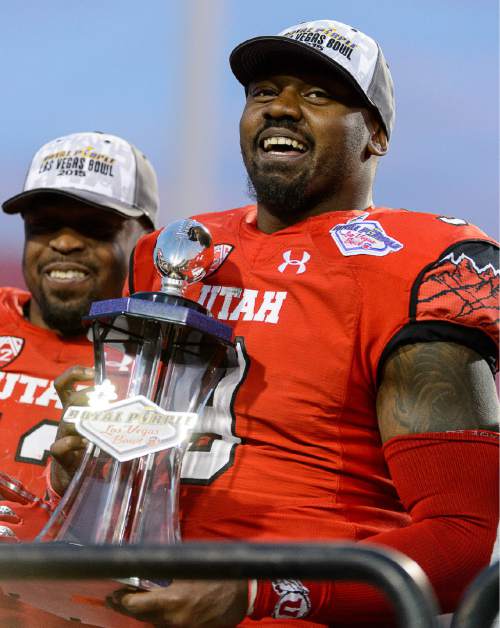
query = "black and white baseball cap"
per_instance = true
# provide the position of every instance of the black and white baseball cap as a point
(97, 168)
(328, 44)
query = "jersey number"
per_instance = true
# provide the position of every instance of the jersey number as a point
(211, 451)
(34, 444)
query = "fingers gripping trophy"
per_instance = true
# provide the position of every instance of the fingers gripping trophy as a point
(158, 358)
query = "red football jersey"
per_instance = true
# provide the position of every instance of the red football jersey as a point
(288, 447)
(30, 359)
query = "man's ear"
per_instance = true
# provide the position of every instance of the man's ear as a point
(378, 143)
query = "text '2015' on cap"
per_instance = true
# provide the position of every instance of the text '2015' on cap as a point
(96, 168)
(330, 45)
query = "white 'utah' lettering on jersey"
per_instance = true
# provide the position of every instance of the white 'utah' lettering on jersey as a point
(235, 304)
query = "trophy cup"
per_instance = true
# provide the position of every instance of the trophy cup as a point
(158, 358)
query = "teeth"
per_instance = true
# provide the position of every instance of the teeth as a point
(275, 141)
(67, 274)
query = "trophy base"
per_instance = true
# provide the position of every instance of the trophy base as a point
(80, 601)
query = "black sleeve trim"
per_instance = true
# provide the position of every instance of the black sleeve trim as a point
(131, 287)
(441, 331)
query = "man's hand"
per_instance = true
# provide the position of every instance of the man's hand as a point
(69, 385)
(185, 604)
(68, 448)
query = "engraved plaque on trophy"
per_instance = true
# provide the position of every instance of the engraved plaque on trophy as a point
(158, 359)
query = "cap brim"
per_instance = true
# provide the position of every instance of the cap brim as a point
(22, 201)
(254, 56)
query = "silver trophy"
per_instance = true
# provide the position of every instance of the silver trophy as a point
(158, 359)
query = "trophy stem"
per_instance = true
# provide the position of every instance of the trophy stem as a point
(123, 519)
(113, 497)
(157, 495)
(141, 382)
(143, 480)
(174, 287)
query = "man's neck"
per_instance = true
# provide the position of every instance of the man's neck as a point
(33, 314)
(272, 219)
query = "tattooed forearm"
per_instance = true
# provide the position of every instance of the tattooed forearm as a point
(436, 387)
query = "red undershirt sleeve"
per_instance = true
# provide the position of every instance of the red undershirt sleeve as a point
(448, 482)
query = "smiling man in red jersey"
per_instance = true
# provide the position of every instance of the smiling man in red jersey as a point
(87, 198)
(363, 407)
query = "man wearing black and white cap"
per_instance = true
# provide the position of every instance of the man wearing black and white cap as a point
(363, 407)
(86, 200)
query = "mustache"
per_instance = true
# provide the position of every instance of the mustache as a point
(55, 259)
(284, 123)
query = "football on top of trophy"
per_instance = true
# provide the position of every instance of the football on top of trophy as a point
(183, 254)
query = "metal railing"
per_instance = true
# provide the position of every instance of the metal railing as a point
(479, 605)
(400, 578)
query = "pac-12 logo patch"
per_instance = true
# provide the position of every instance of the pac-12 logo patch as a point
(10, 348)
(221, 253)
(363, 237)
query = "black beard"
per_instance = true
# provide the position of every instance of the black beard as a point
(66, 318)
(290, 198)
(280, 197)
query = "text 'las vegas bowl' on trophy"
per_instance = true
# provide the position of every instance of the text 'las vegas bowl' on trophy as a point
(158, 358)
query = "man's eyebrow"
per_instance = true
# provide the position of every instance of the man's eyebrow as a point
(260, 80)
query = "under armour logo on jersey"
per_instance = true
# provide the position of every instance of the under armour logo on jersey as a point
(288, 261)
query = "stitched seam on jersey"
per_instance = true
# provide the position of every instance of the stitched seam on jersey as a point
(357, 327)
(347, 269)
(356, 346)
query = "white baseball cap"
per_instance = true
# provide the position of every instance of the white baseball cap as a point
(96, 168)
(328, 44)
